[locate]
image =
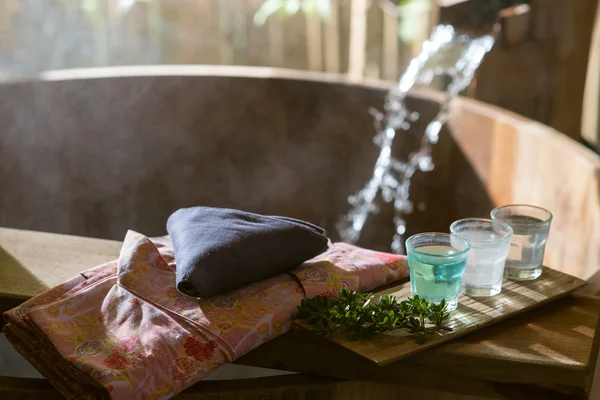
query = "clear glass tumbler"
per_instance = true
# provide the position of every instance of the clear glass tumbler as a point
(530, 225)
(489, 241)
(437, 262)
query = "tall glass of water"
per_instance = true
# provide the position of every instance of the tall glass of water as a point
(490, 242)
(531, 226)
(437, 262)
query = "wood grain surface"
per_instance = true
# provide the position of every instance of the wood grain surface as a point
(553, 347)
(294, 387)
(590, 120)
(473, 313)
(31, 262)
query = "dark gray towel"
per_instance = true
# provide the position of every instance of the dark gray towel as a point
(218, 249)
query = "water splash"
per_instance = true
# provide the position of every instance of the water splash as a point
(444, 53)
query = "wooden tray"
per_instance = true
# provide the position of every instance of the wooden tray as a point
(473, 313)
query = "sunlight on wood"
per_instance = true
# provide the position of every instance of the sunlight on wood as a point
(553, 354)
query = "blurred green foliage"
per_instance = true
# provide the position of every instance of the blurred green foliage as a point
(407, 10)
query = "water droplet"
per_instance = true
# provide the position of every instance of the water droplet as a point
(433, 130)
(426, 164)
(397, 244)
(427, 77)
(391, 176)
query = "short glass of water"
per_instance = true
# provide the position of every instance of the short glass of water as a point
(489, 241)
(531, 226)
(437, 262)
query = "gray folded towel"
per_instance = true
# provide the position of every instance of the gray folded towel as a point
(218, 250)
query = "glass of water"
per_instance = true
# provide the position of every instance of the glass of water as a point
(437, 262)
(531, 226)
(489, 241)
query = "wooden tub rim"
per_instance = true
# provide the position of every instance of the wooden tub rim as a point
(489, 111)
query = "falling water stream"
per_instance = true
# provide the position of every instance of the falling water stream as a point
(445, 53)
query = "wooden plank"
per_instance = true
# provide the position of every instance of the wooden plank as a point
(390, 46)
(297, 351)
(258, 44)
(169, 17)
(358, 39)
(572, 44)
(473, 313)
(31, 262)
(373, 42)
(101, 34)
(590, 125)
(8, 11)
(593, 378)
(552, 346)
(344, 19)
(276, 41)
(505, 348)
(424, 30)
(154, 28)
(529, 350)
(314, 42)
(515, 25)
(271, 388)
(227, 31)
(27, 389)
(332, 39)
(294, 39)
(239, 19)
(184, 26)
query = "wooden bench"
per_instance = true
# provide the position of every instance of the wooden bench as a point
(547, 352)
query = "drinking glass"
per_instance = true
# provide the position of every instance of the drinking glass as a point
(530, 225)
(437, 262)
(489, 241)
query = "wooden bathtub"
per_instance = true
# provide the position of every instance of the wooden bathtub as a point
(97, 152)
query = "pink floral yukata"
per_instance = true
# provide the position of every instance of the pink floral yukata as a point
(122, 330)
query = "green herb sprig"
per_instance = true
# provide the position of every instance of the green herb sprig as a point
(360, 316)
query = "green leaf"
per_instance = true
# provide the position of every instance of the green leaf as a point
(292, 6)
(354, 313)
(408, 21)
(268, 8)
(322, 8)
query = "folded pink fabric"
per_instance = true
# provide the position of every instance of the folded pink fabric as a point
(123, 331)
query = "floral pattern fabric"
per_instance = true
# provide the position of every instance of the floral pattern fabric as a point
(122, 330)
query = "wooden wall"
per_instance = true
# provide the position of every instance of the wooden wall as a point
(538, 68)
(590, 125)
(56, 34)
(538, 65)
